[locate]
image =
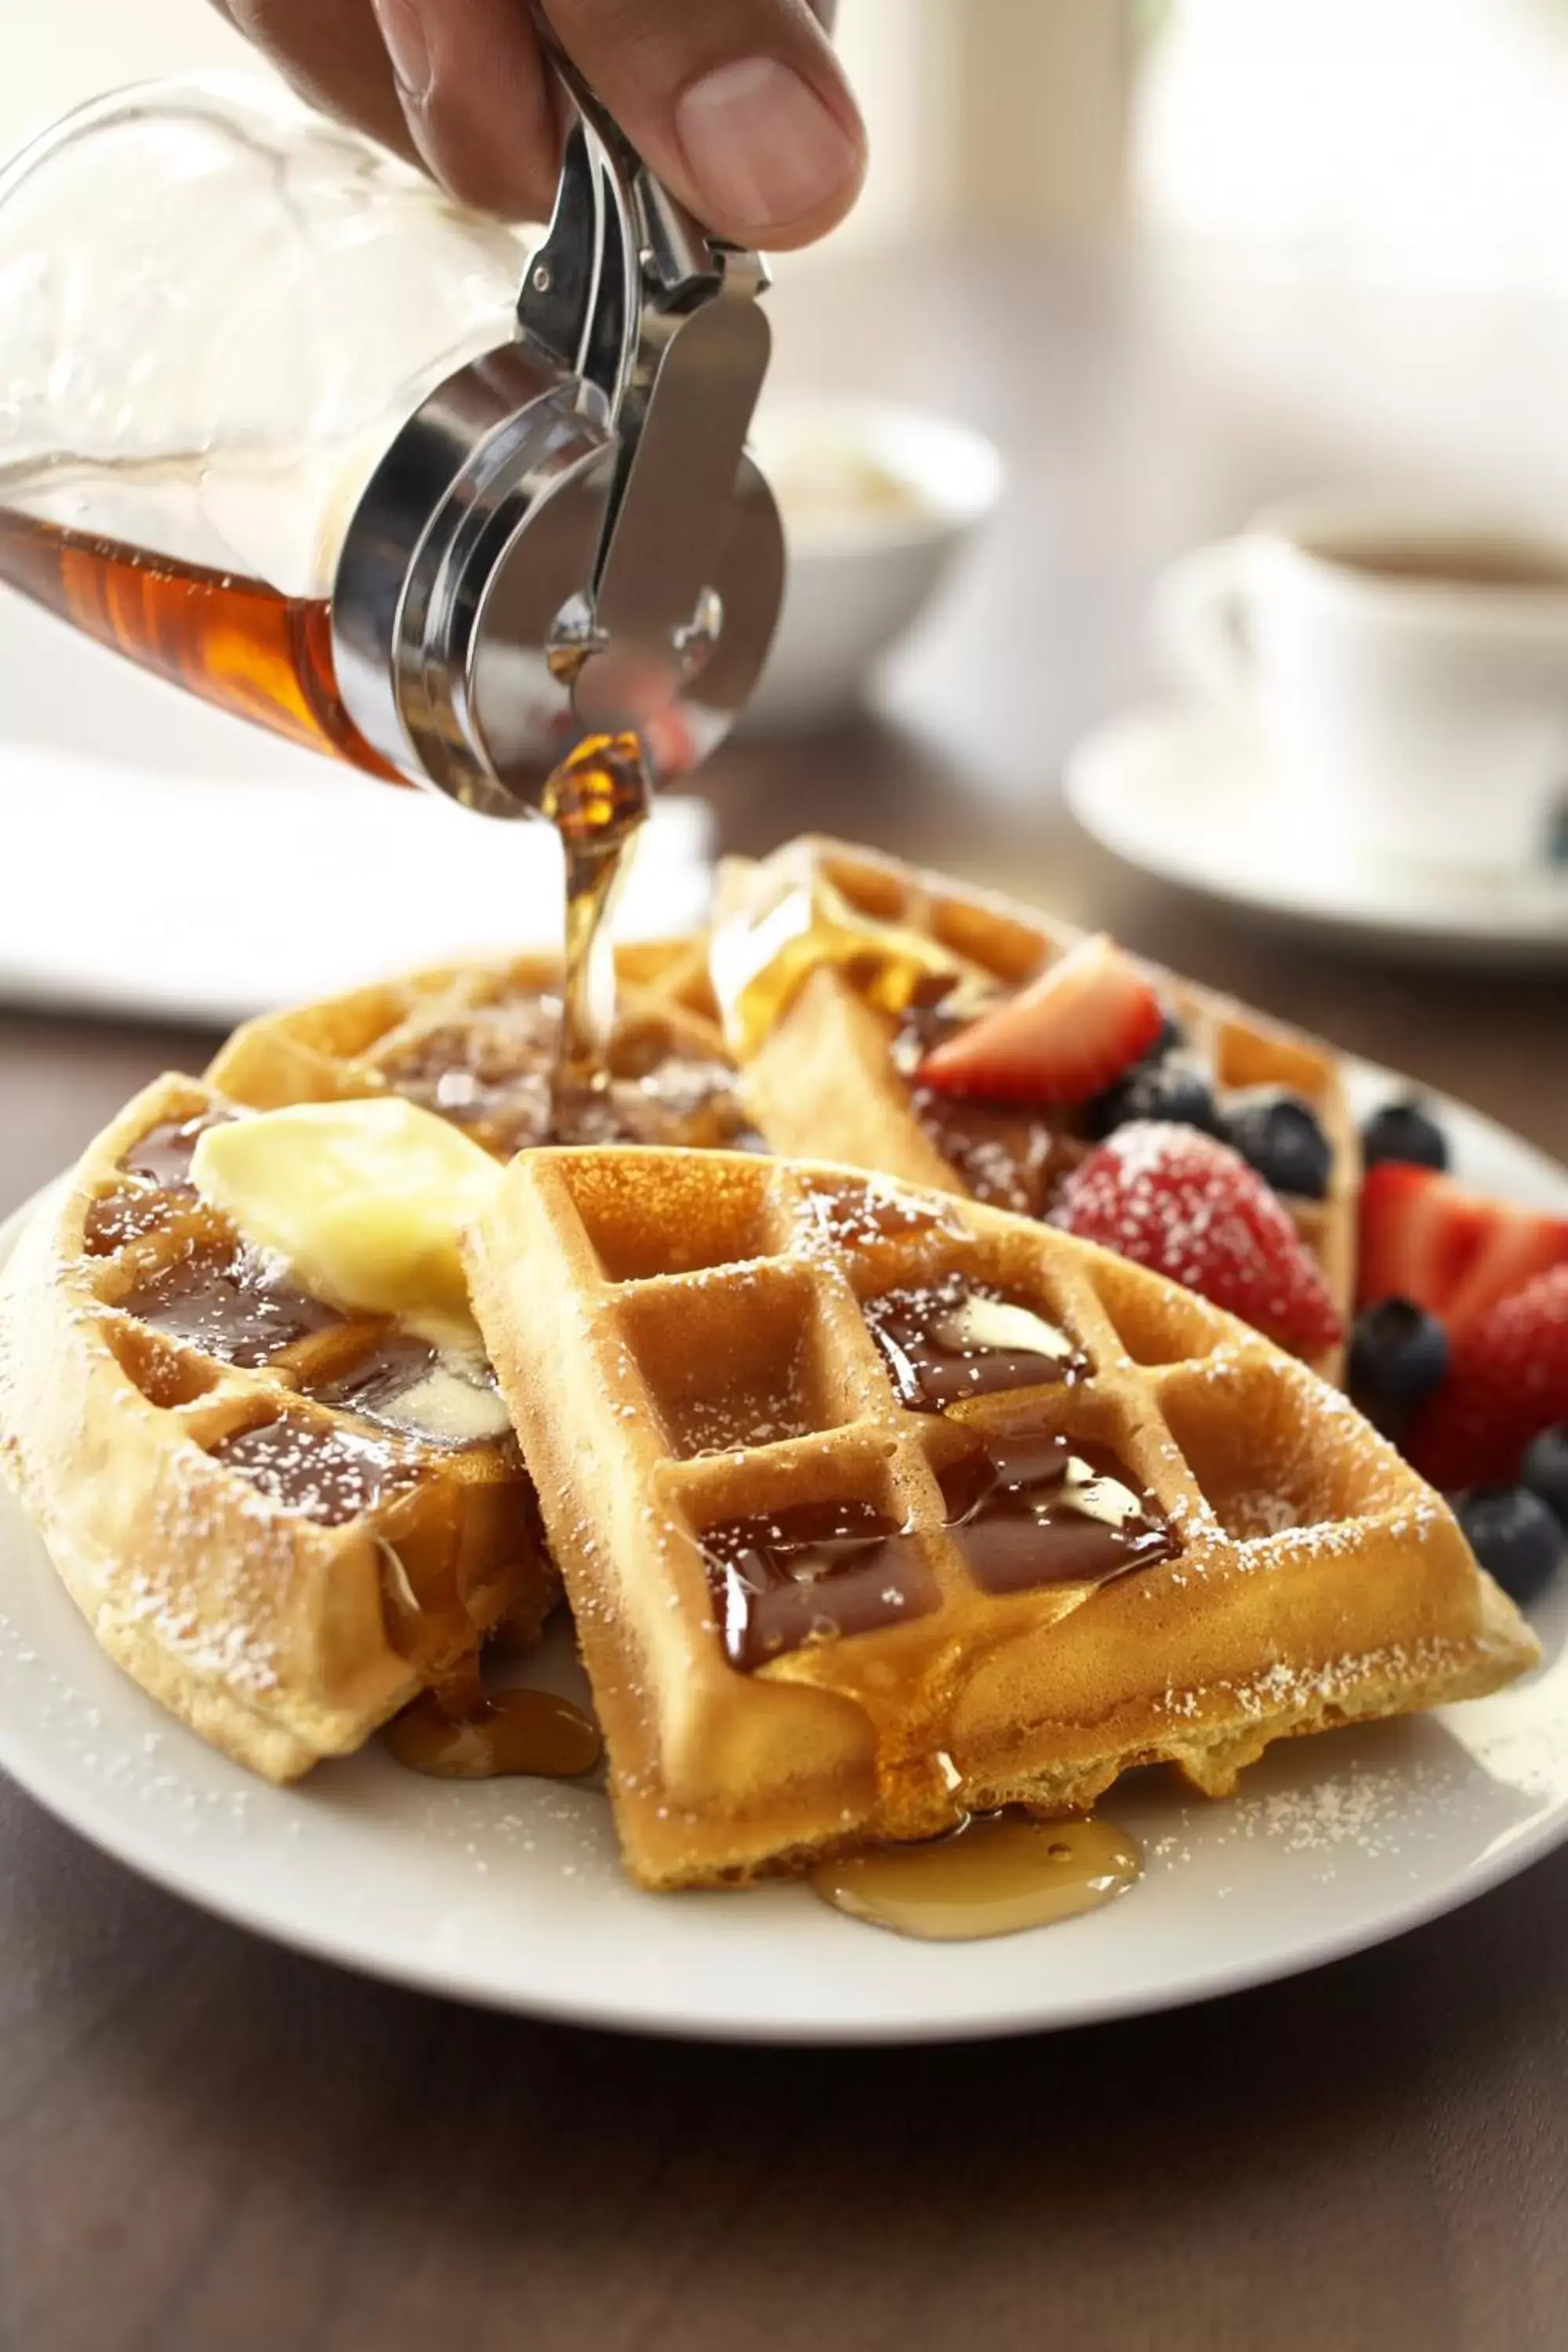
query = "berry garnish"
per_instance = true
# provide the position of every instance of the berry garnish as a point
(1452, 1251)
(1172, 1039)
(1278, 1134)
(1398, 1355)
(1406, 1131)
(1170, 1090)
(1507, 1382)
(1513, 1535)
(1544, 1469)
(1085, 1020)
(1190, 1208)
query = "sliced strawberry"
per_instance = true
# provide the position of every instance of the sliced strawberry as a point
(1508, 1381)
(1455, 1253)
(1061, 1040)
(1190, 1208)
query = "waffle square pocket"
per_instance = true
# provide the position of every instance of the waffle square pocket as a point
(878, 1508)
(282, 1520)
(839, 970)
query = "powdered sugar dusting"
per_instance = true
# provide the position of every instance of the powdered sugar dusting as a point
(1285, 1690)
(847, 1217)
(1188, 1207)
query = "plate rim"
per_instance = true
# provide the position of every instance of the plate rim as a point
(83, 1807)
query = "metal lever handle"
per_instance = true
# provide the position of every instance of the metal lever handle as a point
(674, 249)
(630, 291)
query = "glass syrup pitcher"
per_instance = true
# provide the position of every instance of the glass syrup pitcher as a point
(276, 422)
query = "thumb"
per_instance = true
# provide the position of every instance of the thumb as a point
(738, 105)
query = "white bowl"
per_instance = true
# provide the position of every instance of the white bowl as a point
(876, 501)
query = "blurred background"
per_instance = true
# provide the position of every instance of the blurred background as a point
(1172, 259)
(1422, 139)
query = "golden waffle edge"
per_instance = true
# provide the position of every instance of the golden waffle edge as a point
(680, 1338)
(461, 1038)
(159, 1472)
(818, 1066)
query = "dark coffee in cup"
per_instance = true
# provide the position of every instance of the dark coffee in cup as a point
(1405, 659)
(1474, 564)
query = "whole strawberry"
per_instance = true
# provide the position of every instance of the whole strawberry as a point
(1176, 1201)
(1508, 1381)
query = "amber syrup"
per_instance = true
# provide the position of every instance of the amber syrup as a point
(232, 640)
(597, 801)
(461, 1731)
(268, 657)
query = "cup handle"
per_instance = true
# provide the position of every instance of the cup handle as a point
(1199, 621)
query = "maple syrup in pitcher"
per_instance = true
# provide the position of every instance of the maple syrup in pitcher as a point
(268, 657)
(236, 642)
(277, 425)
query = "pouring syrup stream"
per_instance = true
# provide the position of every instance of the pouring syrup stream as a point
(597, 800)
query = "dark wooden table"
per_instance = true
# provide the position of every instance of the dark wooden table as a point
(208, 2143)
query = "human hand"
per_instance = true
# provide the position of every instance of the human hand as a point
(738, 105)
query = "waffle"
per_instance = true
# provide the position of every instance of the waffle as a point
(832, 963)
(244, 1490)
(476, 1042)
(689, 1346)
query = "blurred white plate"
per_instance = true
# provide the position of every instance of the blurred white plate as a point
(1183, 792)
(878, 501)
(511, 1893)
(159, 857)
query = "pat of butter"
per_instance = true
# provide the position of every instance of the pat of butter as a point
(364, 1200)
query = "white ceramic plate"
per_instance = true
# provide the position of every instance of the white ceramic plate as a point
(1183, 792)
(510, 1893)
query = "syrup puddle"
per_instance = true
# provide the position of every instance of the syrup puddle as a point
(997, 1875)
(488, 1734)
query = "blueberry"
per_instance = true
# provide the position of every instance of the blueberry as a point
(1170, 1039)
(1278, 1134)
(1513, 1535)
(1544, 1469)
(1170, 1090)
(1398, 1356)
(1405, 1131)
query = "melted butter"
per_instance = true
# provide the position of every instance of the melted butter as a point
(464, 1733)
(452, 1404)
(787, 928)
(363, 1202)
(978, 1323)
(997, 1875)
(1096, 1495)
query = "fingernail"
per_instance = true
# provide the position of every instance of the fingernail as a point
(761, 145)
(408, 44)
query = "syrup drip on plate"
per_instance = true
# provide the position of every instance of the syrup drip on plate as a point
(597, 801)
(996, 1874)
(460, 1731)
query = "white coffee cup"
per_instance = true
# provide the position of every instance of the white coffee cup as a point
(1408, 662)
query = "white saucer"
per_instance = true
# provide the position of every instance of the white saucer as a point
(1183, 792)
(511, 1893)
